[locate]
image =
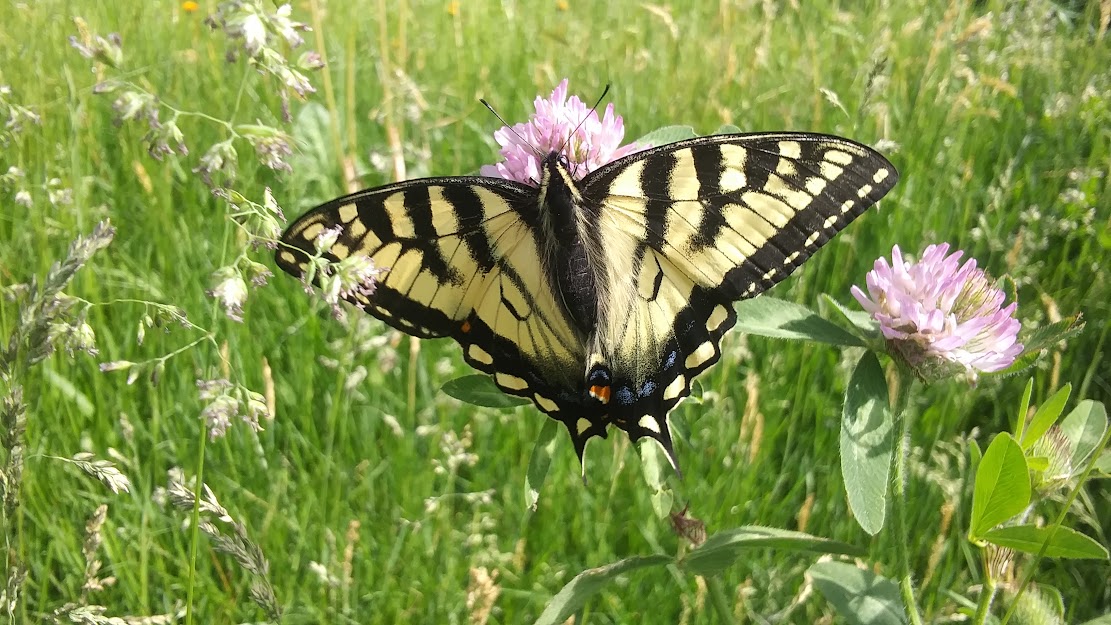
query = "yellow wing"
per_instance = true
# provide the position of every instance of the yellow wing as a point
(462, 259)
(689, 228)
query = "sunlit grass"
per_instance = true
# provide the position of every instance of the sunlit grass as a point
(997, 117)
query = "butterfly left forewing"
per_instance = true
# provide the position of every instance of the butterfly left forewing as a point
(462, 259)
(710, 221)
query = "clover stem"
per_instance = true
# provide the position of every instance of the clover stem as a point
(899, 503)
(987, 594)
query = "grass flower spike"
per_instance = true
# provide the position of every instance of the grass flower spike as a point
(560, 123)
(941, 316)
(230, 290)
(352, 276)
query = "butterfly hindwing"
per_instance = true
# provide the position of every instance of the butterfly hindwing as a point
(462, 258)
(694, 226)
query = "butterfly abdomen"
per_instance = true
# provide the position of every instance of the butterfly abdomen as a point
(569, 264)
(576, 285)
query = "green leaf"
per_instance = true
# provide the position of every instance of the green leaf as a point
(1042, 337)
(974, 454)
(867, 443)
(1063, 543)
(588, 583)
(721, 550)
(697, 393)
(768, 316)
(540, 461)
(1045, 417)
(727, 129)
(656, 467)
(1023, 409)
(1009, 287)
(652, 463)
(1103, 463)
(1002, 487)
(663, 501)
(1099, 620)
(666, 135)
(1045, 336)
(1084, 427)
(857, 322)
(1037, 463)
(861, 597)
(479, 389)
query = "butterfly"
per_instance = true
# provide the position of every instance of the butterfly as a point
(601, 298)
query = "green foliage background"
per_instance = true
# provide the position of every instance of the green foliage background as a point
(997, 114)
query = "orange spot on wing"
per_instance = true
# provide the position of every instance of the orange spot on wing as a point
(466, 326)
(601, 393)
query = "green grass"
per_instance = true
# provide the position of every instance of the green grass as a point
(998, 110)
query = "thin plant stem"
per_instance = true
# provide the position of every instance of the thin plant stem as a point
(195, 529)
(899, 501)
(719, 600)
(326, 77)
(411, 386)
(987, 594)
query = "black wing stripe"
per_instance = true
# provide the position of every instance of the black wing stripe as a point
(708, 166)
(460, 196)
(655, 188)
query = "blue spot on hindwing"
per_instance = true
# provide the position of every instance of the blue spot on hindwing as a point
(625, 395)
(669, 362)
(599, 375)
(647, 388)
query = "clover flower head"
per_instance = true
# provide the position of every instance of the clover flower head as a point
(564, 124)
(941, 316)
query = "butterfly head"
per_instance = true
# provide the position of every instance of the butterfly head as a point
(558, 171)
(559, 189)
(556, 160)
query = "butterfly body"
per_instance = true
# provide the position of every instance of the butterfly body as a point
(600, 298)
(567, 245)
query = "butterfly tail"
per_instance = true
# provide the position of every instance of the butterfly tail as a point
(582, 429)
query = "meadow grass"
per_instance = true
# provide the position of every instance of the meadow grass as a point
(996, 114)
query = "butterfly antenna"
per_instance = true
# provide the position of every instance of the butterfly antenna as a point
(512, 129)
(593, 111)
